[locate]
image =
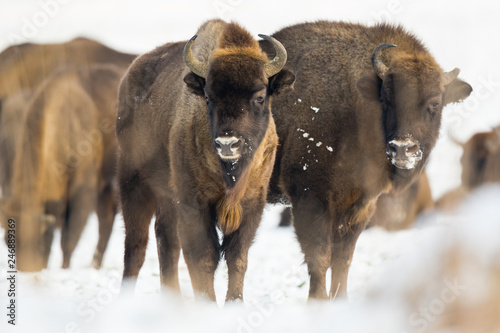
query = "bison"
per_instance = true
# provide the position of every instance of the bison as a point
(58, 166)
(24, 68)
(196, 149)
(480, 165)
(481, 159)
(397, 210)
(362, 121)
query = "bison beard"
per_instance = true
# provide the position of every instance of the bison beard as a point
(378, 112)
(218, 109)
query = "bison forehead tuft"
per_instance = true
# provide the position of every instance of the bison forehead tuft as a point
(237, 73)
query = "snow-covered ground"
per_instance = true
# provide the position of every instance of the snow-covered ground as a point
(395, 282)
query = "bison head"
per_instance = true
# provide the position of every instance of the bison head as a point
(237, 85)
(481, 159)
(412, 91)
(30, 234)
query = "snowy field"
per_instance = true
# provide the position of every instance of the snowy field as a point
(398, 282)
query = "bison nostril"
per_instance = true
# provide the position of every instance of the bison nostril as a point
(412, 149)
(403, 148)
(237, 144)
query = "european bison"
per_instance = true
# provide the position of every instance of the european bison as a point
(24, 68)
(480, 165)
(362, 120)
(196, 149)
(58, 165)
(398, 210)
(481, 159)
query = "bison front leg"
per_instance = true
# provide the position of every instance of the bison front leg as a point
(235, 248)
(168, 245)
(313, 229)
(200, 246)
(106, 210)
(344, 237)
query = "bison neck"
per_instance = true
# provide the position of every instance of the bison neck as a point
(233, 171)
(229, 209)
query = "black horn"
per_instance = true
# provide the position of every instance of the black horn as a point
(274, 66)
(194, 64)
(377, 63)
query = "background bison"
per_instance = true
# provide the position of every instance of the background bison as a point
(398, 210)
(362, 121)
(26, 71)
(197, 147)
(480, 166)
(57, 181)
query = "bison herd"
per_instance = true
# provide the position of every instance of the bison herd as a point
(335, 119)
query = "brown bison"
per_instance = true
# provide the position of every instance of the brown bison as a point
(196, 149)
(397, 210)
(480, 165)
(24, 67)
(481, 159)
(58, 172)
(362, 121)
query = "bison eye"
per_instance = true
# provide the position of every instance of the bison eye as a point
(207, 99)
(433, 108)
(260, 99)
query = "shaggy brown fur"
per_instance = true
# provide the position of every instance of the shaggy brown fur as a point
(168, 165)
(24, 68)
(395, 210)
(335, 129)
(58, 167)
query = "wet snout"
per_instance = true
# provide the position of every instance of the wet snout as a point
(404, 153)
(229, 147)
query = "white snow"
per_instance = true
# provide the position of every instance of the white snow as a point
(396, 280)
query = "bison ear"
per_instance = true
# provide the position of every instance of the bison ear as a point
(368, 86)
(456, 91)
(281, 82)
(195, 83)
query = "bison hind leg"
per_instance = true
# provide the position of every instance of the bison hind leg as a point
(107, 206)
(138, 205)
(168, 244)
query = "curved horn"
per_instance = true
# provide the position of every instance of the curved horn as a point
(274, 66)
(194, 64)
(379, 67)
(450, 76)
